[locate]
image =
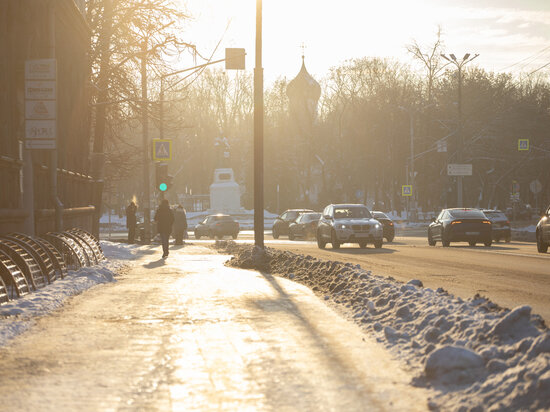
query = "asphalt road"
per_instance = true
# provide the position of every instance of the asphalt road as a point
(510, 274)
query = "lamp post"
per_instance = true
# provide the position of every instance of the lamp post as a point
(258, 134)
(460, 140)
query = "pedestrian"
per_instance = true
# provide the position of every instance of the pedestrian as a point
(165, 219)
(131, 221)
(180, 225)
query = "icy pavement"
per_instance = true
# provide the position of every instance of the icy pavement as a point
(476, 355)
(188, 333)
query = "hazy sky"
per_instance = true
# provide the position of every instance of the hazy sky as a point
(503, 32)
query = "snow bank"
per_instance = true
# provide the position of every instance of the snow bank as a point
(19, 315)
(477, 355)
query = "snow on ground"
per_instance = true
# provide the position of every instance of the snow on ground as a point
(530, 229)
(18, 315)
(476, 355)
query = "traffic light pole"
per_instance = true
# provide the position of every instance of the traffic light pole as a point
(146, 149)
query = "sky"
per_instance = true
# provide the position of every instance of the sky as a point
(509, 35)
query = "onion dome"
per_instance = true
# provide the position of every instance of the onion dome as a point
(303, 92)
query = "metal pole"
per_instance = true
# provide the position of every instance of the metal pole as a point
(412, 163)
(460, 141)
(53, 155)
(145, 129)
(258, 134)
(161, 108)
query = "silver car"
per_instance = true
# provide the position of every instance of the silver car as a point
(348, 223)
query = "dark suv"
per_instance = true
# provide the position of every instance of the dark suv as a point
(280, 226)
(543, 232)
(348, 223)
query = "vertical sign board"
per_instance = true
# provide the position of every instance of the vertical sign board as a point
(40, 104)
(523, 144)
(162, 150)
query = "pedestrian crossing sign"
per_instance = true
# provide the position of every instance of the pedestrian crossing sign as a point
(162, 150)
(523, 144)
(406, 190)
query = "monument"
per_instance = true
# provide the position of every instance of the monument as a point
(225, 193)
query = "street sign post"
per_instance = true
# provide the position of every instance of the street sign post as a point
(162, 150)
(523, 144)
(454, 169)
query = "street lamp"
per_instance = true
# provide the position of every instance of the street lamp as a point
(460, 141)
(258, 134)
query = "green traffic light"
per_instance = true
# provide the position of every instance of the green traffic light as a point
(163, 187)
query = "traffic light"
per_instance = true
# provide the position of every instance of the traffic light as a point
(163, 180)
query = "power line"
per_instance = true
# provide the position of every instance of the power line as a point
(533, 56)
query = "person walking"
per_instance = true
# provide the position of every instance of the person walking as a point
(180, 225)
(131, 221)
(165, 219)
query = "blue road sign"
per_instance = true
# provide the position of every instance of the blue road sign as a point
(162, 150)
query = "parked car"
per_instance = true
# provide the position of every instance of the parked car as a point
(500, 225)
(217, 226)
(460, 225)
(387, 224)
(280, 226)
(348, 223)
(305, 226)
(543, 232)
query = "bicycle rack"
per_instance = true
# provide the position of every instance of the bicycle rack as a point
(12, 277)
(29, 263)
(37, 251)
(26, 262)
(91, 241)
(70, 250)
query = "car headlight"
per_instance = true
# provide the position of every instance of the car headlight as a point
(377, 226)
(342, 226)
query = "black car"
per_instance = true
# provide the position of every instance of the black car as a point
(501, 225)
(305, 226)
(460, 225)
(543, 232)
(280, 226)
(387, 225)
(217, 226)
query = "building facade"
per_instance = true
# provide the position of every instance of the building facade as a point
(31, 193)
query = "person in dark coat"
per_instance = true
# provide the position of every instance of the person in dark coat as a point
(131, 221)
(180, 225)
(165, 219)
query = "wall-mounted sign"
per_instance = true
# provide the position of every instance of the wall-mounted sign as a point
(40, 90)
(42, 69)
(40, 109)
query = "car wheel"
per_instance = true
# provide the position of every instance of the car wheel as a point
(445, 242)
(197, 236)
(275, 234)
(290, 235)
(389, 239)
(378, 244)
(431, 242)
(541, 246)
(472, 242)
(362, 245)
(234, 235)
(211, 235)
(334, 241)
(320, 242)
(508, 239)
(497, 239)
(488, 242)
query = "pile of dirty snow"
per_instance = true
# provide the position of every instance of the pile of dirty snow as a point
(476, 355)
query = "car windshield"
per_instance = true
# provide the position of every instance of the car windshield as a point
(354, 212)
(310, 217)
(380, 215)
(495, 215)
(223, 218)
(467, 214)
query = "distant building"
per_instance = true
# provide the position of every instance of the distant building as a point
(25, 34)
